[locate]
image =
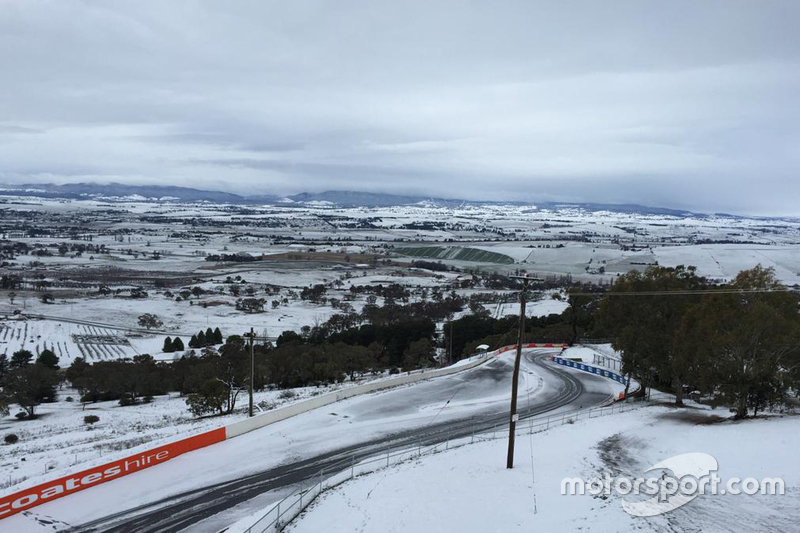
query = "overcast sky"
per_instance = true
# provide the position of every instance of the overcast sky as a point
(692, 104)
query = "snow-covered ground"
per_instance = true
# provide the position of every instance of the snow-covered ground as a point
(468, 489)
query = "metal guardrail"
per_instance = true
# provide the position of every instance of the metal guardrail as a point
(287, 509)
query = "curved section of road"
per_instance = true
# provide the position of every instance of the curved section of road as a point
(426, 413)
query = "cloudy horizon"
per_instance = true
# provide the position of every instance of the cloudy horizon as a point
(683, 104)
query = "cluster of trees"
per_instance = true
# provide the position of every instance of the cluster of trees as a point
(205, 338)
(471, 331)
(173, 345)
(314, 294)
(232, 258)
(27, 382)
(250, 305)
(737, 343)
(129, 381)
(436, 266)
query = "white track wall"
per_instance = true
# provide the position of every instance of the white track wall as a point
(250, 424)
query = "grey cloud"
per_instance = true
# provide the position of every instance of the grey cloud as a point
(686, 104)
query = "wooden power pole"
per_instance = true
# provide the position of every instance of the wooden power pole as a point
(251, 336)
(512, 423)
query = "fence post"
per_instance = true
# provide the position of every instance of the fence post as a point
(472, 438)
(387, 457)
(352, 466)
(548, 423)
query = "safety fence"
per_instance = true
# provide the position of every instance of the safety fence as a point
(288, 508)
(607, 361)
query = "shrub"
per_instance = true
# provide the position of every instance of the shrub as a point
(126, 400)
(287, 395)
(91, 419)
(11, 439)
(70, 399)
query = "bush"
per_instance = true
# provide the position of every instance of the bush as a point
(126, 400)
(11, 439)
(22, 415)
(70, 399)
(287, 395)
(91, 419)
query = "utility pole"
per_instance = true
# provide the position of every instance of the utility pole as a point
(451, 342)
(251, 336)
(512, 423)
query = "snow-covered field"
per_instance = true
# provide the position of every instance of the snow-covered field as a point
(468, 489)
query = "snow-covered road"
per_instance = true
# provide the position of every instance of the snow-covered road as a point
(213, 487)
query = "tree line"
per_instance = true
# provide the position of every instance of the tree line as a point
(737, 344)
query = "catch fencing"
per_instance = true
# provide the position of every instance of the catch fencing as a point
(287, 509)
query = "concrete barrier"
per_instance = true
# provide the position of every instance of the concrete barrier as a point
(260, 421)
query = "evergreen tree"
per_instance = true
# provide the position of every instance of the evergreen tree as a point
(747, 342)
(21, 358)
(217, 336)
(31, 384)
(644, 326)
(201, 340)
(177, 345)
(209, 337)
(193, 342)
(168, 345)
(48, 359)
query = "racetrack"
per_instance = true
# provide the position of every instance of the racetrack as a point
(208, 489)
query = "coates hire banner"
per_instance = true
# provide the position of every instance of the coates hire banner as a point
(57, 488)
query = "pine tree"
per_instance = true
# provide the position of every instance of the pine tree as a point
(48, 359)
(209, 337)
(177, 345)
(193, 342)
(168, 346)
(201, 340)
(217, 336)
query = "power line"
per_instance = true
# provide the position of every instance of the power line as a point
(687, 292)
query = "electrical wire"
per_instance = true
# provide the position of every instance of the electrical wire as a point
(681, 292)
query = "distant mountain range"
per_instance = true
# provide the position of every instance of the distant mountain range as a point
(154, 193)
